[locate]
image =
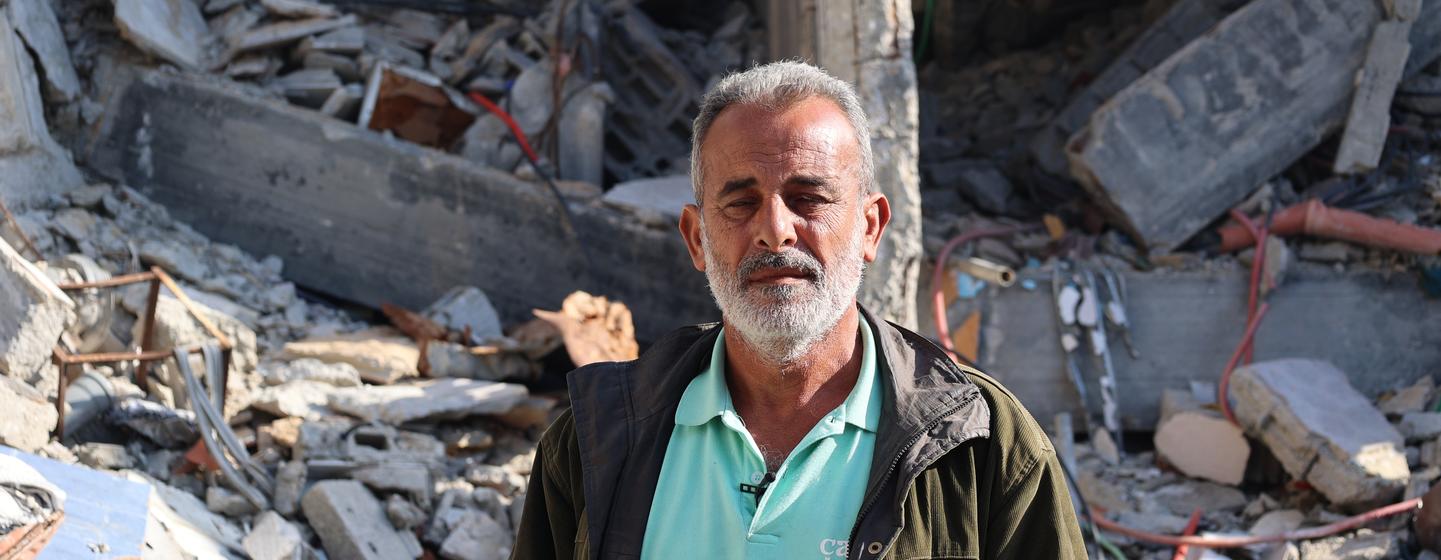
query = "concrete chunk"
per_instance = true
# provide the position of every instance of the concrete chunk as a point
(1420, 426)
(302, 399)
(174, 31)
(1199, 442)
(477, 537)
(33, 313)
(273, 538)
(380, 355)
(37, 25)
(1321, 429)
(350, 522)
(426, 400)
(467, 307)
(28, 417)
(1411, 399)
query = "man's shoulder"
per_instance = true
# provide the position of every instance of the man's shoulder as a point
(1016, 439)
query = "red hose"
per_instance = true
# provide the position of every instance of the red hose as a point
(1315, 218)
(510, 122)
(938, 276)
(1221, 395)
(1224, 541)
(1191, 527)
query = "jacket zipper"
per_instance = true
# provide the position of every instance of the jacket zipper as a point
(866, 508)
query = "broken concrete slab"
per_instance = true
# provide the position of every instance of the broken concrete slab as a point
(1196, 134)
(347, 40)
(299, 8)
(194, 527)
(350, 522)
(1370, 116)
(410, 478)
(380, 355)
(30, 418)
(174, 31)
(34, 166)
(273, 538)
(286, 32)
(1183, 22)
(1184, 324)
(339, 374)
(448, 359)
(301, 399)
(664, 197)
(33, 313)
(1411, 399)
(1420, 426)
(35, 22)
(1199, 442)
(427, 400)
(1321, 429)
(473, 225)
(467, 308)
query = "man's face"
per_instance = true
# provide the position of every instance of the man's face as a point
(784, 227)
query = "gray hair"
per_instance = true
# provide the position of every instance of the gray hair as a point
(776, 86)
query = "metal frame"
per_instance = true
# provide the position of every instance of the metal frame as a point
(147, 354)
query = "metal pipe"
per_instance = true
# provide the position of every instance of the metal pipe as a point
(88, 396)
(990, 271)
(110, 282)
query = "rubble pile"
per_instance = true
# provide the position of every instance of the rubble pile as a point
(626, 86)
(1321, 454)
(364, 455)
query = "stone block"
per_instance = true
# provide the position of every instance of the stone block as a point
(33, 313)
(350, 522)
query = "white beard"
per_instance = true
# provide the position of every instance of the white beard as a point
(783, 322)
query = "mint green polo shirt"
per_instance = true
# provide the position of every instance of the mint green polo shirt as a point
(808, 510)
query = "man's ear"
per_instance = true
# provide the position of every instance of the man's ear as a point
(690, 231)
(878, 215)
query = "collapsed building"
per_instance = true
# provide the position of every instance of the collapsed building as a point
(275, 273)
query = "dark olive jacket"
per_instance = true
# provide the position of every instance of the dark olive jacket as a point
(961, 469)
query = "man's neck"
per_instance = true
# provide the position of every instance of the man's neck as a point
(781, 402)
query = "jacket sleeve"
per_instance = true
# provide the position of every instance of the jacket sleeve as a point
(1035, 519)
(554, 500)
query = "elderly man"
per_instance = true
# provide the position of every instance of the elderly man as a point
(800, 426)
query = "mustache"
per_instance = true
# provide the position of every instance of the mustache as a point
(792, 258)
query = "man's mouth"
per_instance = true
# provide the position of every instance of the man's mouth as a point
(780, 276)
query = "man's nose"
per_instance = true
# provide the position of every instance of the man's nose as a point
(776, 227)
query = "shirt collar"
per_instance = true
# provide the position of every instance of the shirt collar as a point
(707, 396)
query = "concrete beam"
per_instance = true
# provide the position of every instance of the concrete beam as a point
(1378, 328)
(371, 220)
(1192, 137)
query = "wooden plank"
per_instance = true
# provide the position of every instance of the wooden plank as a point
(1370, 117)
(1176, 148)
(1380, 329)
(370, 219)
(100, 509)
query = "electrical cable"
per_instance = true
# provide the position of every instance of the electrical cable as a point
(525, 146)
